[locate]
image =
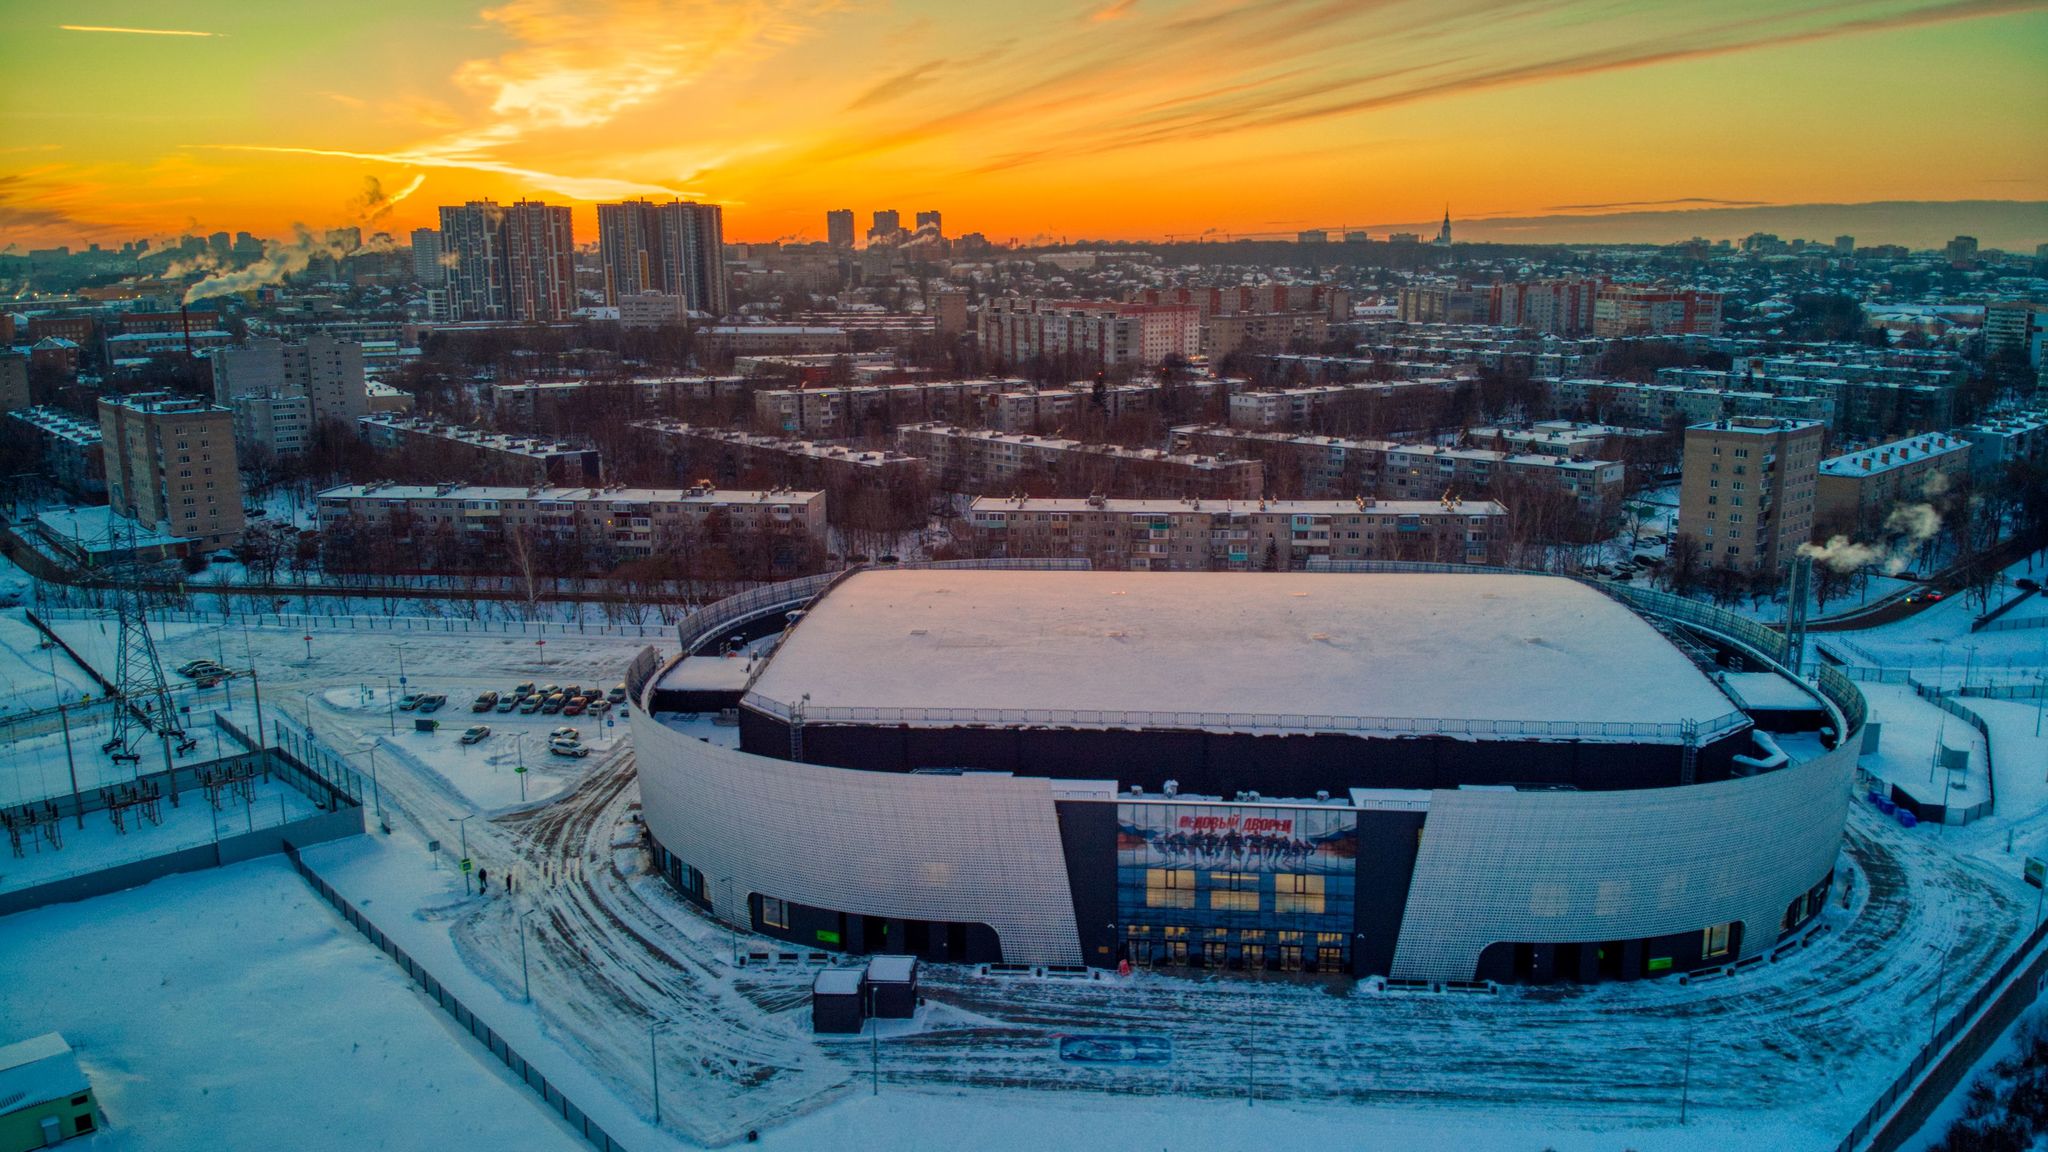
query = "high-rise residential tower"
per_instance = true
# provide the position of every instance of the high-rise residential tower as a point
(839, 227)
(677, 249)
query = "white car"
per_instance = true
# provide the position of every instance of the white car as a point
(566, 733)
(568, 748)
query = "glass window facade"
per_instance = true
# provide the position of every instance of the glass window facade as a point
(1236, 886)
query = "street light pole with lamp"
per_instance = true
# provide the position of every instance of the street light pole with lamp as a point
(525, 983)
(462, 827)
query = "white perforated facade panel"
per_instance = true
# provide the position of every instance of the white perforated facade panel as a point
(973, 848)
(1565, 867)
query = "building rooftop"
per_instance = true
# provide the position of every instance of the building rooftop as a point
(871, 457)
(37, 1071)
(1390, 447)
(1293, 507)
(61, 424)
(1755, 425)
(538, 447)
(495, 493)
(1480, 654)
(1897, 454)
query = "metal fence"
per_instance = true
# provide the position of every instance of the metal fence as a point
(444, 624)
(1960, 1022)
(557, 1101)
(1261, 721)
(711, 621)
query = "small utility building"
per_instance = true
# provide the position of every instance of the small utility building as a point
(839, 1000)
(892, 987)
(44, 1096)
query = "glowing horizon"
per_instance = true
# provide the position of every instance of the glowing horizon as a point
(1118, 119)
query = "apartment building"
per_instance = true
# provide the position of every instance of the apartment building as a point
(1237, 536)
(14, 394)
(1017, 330)
(1388, 406)
(1998, 443)
(1573, 438)
(69, 448)
(327, 371)
(731, 459)
(1634, 310)
(837, 413)
(957, 460)
(1748, 490)
(1857, 490)
(513, 262)
(1638, 405)
(550, 406)
(170, 465)
(676, 249)
(732, 340)
(1225, 333)
(472, 453)
(273, 426)
(1323, 467)
(457, 523)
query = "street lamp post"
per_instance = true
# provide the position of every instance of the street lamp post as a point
(1934, 1010)
(732, 928)
(525, 984)
(519, 748)
(654, 1070)
(462, 826)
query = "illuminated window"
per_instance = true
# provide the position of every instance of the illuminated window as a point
(1170, 888)
(1298, 893)
(1716, 943)
(774, 913)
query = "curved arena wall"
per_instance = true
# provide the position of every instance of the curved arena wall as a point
(1493, 866)
(972, 848)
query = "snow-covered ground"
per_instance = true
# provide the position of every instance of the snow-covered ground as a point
(1784, 1056)
(233, 1010)
(195, 820)
(1913, 729)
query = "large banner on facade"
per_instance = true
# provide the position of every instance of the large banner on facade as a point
(1236, 838)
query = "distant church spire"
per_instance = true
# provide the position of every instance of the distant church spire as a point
(1443, 235)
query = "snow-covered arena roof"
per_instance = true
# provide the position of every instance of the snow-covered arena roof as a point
(1466, 649)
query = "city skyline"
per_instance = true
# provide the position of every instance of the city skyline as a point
(1125, 120)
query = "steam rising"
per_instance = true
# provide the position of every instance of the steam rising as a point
(1907, 530)
(282, 259)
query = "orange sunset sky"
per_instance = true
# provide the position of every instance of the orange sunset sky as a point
(1117, 119)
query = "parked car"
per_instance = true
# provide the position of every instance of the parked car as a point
(475, 733)
(617, 695)
(507, 703)
(191, 666)
(574, 707)
(525, 689)
(410, 701)
(484, 702)
(530, 705)
(553, 704)
(599, 707)
(432, 702)
(547, 690)
(570, 748)
(565, 732)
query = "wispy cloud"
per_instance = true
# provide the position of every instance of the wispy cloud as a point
(574, 187)
(1675, 202)
(1116, 10)
(134, 31)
